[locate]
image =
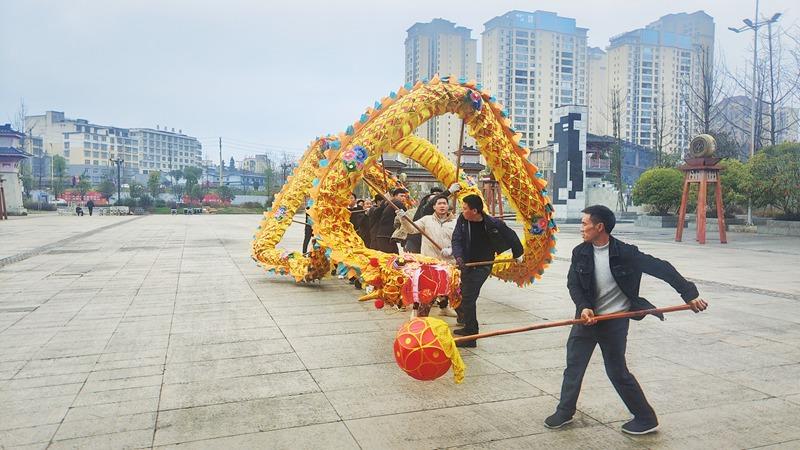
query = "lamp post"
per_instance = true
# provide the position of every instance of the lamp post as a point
(118, 161)
(754, 25)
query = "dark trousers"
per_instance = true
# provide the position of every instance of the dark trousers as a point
(384, 244)
(472, 279)
(413, 243)
(307, 238)
(612, 336)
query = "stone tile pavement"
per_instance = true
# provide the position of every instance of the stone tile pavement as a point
(161, 332)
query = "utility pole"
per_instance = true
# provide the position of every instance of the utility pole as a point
(118, 161)
(221, 163)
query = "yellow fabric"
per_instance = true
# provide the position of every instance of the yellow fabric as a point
(445, 337)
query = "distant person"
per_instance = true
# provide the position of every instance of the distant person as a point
(363, 226)
(604, 278)
(308, 232)
(78, 211)
(90, 206)
(385, 229)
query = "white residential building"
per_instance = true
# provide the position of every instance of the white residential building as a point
(599, 117)
(83, 143)
(534, 62)
(165, 150)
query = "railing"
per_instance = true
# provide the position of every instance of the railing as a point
(598, 164)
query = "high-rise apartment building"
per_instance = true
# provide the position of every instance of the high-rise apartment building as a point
(597, 99)
(650, 71)
(534, 62)
(441, 47)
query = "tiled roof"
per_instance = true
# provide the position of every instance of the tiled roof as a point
(11, 151)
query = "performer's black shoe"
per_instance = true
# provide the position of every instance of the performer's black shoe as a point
(467, 344)
(558, 420)
(639, 426)
(463, 332)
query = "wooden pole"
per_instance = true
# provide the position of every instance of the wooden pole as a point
(701, 207)
(421, 231)
(486, 263)
(539, 326)
(458, 159)
(723, 238)
(682, 210)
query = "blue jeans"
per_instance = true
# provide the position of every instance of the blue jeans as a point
(612, 336)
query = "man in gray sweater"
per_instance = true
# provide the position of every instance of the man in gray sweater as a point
(604, 278)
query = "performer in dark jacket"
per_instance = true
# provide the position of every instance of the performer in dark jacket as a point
(385, 226)
(374, 218)
(604, 278)
(478, 237)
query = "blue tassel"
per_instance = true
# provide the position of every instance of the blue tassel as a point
(479, 86)
(323, 163)
(377, 105)
(335, 145)
(544, 191)
(538, 174)
(462, 80)
(350, 130)
(364, 118)
(493, 99)
(393, 94)
(408, 86)
(315, 182)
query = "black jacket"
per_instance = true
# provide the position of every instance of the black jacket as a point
(501, 236)
(385, 227)
(627, 266)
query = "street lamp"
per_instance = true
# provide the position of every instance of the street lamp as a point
(118, 161)
(754, 25)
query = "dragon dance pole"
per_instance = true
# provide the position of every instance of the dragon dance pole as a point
(539, 326)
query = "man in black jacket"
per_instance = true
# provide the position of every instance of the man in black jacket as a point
(477, 237)
(604, 278)
(382, 239)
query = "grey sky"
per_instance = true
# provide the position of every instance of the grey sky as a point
(260, 72)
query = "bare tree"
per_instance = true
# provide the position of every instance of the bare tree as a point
(706, 93)
(616, 149)
(782, 86)
(663, 134)
(19, 118)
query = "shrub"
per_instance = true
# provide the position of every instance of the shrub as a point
(36, 206)
(660, 188)
(145, 201)
(775, 175)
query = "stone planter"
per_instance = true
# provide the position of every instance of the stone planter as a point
(659, 221)
(780, 227)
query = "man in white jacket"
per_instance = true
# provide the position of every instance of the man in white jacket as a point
(439, 226)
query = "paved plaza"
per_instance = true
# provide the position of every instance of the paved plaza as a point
(158, 331)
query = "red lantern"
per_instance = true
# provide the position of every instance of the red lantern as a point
(418, 351)
(379, 304)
